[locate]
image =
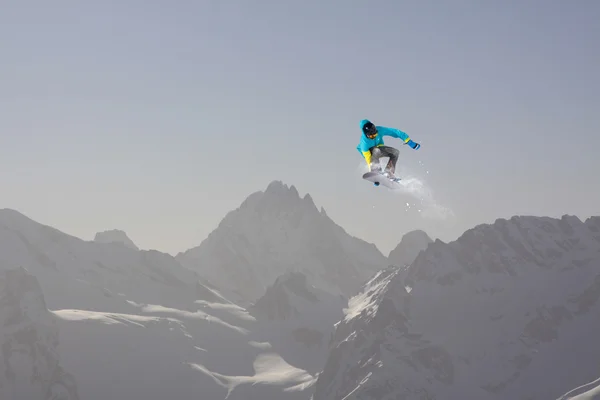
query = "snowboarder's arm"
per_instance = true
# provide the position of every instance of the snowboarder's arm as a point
(393, 132)
(397, 133)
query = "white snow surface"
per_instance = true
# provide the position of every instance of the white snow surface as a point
(269, 369)
(508, 311)
(166, 352)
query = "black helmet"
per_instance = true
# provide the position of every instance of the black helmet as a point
(369, 129)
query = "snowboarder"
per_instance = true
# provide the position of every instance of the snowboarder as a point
(372, 148)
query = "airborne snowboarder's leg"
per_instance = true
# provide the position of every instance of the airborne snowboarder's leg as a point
(393, 154)
(385, 151)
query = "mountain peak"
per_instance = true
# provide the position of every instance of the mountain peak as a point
(6, 213)
(417, 234)
(275, 231)
(278, 187)
(16, 219)
(410, 246)
(308, 200)
(115, 236)
(277, 198)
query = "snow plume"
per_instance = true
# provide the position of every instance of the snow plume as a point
(426, 203)
(416, 187)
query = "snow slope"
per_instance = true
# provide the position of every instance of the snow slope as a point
(233, 357)
(276, 231)
(30, 365)
(155, 352)
(507, 311)
(136, 356)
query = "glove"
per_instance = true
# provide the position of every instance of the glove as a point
(413, 144)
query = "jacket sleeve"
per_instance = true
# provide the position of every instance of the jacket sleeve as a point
(393, 132)
(366, 153)
(367, 156)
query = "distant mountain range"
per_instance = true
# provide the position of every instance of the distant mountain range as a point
(279, 302)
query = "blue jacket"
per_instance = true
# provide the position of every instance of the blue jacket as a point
(365, 143)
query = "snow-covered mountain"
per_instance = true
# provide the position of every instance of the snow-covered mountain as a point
(30, 365)
(75, 273)
(409, 248)
(276, 231)
(115, 236)
(138, 325)
(507, 311)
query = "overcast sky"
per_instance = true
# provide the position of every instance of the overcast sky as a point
(160, 117)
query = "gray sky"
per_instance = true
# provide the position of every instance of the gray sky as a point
(160, 117)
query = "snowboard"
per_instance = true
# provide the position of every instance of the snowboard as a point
(378, 178)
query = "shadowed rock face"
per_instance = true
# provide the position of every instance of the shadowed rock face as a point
(29, 364)
(508, 310)
(278, 302)
(409, 248)
(298, 320)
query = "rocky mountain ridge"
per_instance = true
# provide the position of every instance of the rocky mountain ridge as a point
(508, 310)
(276, 231)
